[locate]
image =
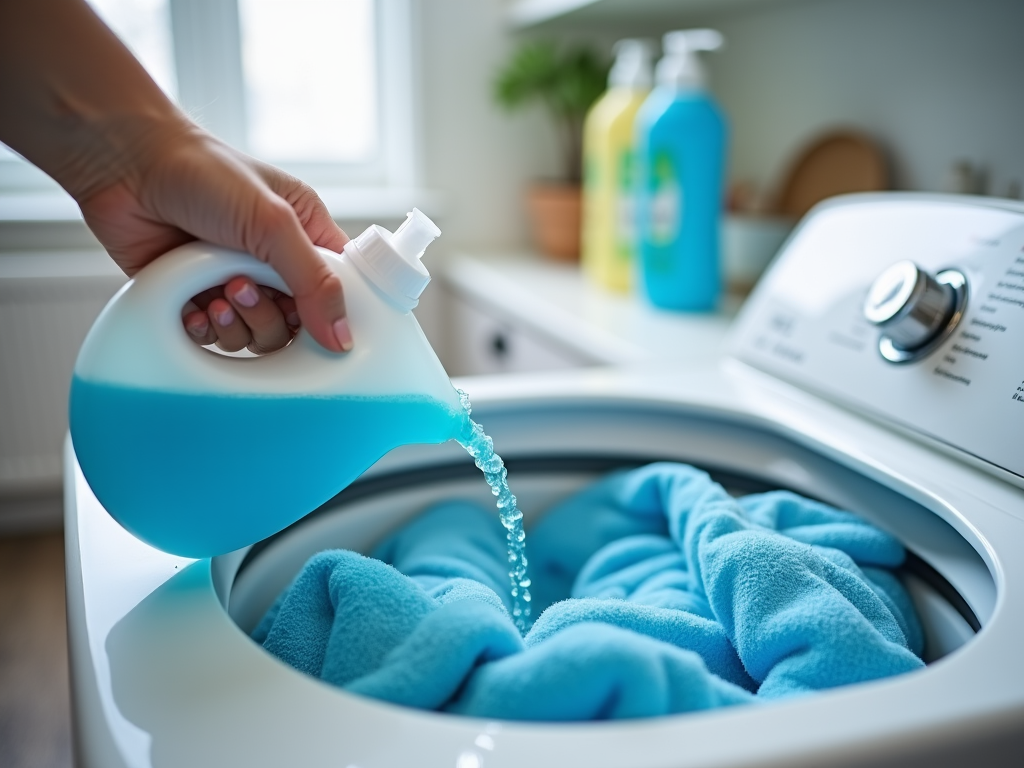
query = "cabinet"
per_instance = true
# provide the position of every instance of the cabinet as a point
(483, 343)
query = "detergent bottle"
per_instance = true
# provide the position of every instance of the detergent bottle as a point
(198, 453)
(680, 154)
(608, 230)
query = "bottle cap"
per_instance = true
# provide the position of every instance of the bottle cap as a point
(392, 261)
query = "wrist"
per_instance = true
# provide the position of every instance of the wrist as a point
(117, 148)
(76, 102)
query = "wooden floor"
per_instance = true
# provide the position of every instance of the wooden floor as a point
(35, 720)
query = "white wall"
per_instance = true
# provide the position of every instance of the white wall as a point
(935, 81)
(477, 155)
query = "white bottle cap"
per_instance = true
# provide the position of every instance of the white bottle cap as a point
(681, 67)
(392, 261)
(632, 67)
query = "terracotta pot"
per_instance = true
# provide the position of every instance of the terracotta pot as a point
(555, 212)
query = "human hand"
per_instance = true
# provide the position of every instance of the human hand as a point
(82, 108)
(181, 183)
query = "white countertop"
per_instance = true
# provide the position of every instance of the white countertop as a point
(556, 302)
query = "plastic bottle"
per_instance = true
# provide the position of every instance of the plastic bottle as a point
(608, 158)
(681, 137)
(198, 453)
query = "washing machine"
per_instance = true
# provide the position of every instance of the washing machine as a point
(879, 366)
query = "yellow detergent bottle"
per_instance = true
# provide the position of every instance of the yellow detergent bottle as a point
(608, 140)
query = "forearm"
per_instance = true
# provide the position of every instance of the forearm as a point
(75, 102)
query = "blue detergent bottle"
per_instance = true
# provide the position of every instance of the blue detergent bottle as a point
(681, 137)
(198, 453)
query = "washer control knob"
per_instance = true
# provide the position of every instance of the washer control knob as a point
(911, 306)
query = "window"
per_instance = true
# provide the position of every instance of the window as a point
(310, 79)
(321, 88)
(144, 26)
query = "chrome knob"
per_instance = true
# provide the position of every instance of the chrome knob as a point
(914, 310)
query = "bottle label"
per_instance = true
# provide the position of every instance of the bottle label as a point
(666, 201)
(625, 207)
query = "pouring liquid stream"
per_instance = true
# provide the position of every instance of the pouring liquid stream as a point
(476, 442)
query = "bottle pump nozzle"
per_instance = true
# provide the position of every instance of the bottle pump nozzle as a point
(681, 67)
(632, 67)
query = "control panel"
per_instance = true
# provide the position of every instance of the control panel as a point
(907, 307)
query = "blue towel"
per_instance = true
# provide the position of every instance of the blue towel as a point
(659, 594)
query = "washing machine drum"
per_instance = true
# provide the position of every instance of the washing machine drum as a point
(553, 448)
(543, 472)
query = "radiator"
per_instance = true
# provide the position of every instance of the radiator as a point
(48, 301)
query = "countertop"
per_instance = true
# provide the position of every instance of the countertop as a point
(556, 302)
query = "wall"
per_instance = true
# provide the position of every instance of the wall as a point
(479, 157)
(935, 80)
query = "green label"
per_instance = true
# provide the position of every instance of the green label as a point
(666, 200)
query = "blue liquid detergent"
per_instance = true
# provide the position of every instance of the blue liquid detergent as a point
(200, 475)
(481, 448)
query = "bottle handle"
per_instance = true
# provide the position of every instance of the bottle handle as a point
(198, 266)
(139, 338)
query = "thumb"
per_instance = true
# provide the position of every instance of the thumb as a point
(276, 236)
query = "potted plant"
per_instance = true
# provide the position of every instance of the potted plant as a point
(566, 81)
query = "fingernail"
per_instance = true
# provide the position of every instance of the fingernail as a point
(198, 327)
(225, 317)
(247, 296)
(343, 334)
(292, 318)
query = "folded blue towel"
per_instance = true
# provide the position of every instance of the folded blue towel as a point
(659, 594)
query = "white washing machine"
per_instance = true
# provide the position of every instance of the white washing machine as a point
(917, 424)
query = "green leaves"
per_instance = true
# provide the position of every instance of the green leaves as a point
(567, 81)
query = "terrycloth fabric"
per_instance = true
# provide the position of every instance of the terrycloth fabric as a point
(660, 594)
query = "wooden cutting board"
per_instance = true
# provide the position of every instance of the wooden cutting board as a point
(836, 163)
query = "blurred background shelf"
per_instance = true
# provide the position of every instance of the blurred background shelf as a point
(524, 14)
(929, 81)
